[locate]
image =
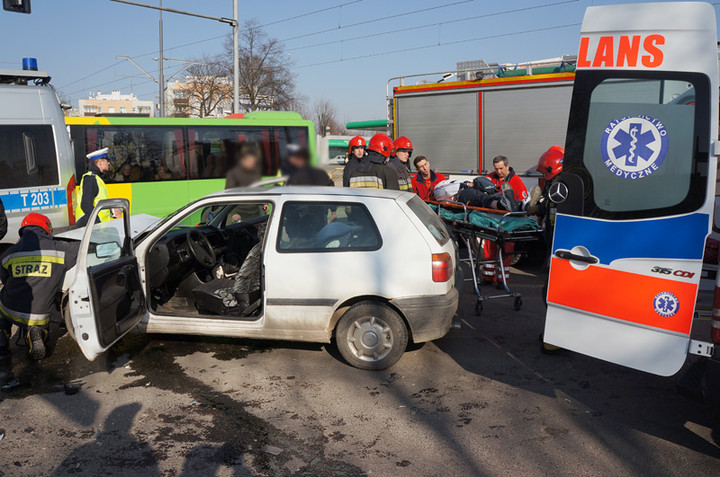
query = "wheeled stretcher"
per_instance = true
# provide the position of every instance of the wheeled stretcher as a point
(472, 225)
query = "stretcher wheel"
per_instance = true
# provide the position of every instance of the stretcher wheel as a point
(518, 303)
(478, 308)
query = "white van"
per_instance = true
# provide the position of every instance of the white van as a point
(36, 159)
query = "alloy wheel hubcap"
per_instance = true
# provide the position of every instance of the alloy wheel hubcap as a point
(370, 338)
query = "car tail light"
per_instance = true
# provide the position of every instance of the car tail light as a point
(442, 269)
(70, 191)
(715, 322)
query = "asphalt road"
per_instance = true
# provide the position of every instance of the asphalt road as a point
(481, 401)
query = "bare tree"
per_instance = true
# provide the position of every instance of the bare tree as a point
(207, 89)
(326, 118)
(266, 79)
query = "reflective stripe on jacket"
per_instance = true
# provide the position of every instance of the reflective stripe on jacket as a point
(102, 193)
(32, 272)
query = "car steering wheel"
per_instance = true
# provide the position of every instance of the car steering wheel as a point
(201, 248)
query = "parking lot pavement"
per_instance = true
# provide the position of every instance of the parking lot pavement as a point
(481, 401)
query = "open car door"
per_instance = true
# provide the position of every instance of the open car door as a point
(106, 298)
(635, 198)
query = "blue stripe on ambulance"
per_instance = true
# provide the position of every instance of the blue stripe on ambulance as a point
(669, 238)
(34, 199)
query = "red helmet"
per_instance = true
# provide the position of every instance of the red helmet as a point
(381, 143)
(551, 162)
(357, 141)
(39, 220)
(401, 143)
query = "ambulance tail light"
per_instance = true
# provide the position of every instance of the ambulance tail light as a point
(442, 268)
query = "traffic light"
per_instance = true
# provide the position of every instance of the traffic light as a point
(17, 6)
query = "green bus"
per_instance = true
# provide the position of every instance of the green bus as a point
(161, 164)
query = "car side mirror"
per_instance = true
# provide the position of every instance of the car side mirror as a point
(109, 249)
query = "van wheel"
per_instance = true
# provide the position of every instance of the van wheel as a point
(371, 336)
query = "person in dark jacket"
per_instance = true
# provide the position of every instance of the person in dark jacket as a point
(3, 221)
(372, 172)
(245, 172)
(32, 272)
(401, 152)
(356, 151)
(426, 179)
(301, 172)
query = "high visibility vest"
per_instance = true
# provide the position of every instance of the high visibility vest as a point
(104, 215)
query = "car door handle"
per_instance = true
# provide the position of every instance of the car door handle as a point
(568, 255)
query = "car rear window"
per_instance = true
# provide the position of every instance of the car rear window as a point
(27, 156)
(430, 219)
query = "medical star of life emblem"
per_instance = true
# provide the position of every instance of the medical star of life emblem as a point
(634, 147)
(666, 304)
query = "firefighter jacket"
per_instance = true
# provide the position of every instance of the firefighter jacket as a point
(373, 173)
(403, 176)
(352, 163)
(92, 190)
(32, 273)
(422, 188)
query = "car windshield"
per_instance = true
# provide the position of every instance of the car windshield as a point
(431, 221)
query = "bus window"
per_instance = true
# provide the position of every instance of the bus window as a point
(214, 150)
(27, 156)
(288, 135)
(140, 154)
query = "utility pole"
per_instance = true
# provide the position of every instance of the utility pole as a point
(236, 55)
(233, 22)
(161, 68)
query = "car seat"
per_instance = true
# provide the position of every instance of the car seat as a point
(239, 297)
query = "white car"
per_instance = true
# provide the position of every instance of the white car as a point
(370, 269)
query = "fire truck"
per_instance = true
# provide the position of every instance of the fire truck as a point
(517, 110)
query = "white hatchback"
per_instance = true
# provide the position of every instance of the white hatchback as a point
(370, 269)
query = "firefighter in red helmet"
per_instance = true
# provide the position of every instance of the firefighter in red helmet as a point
(373, 172)
(32, 273)
(356, 151)
(400, 162)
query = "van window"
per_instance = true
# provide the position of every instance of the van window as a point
(27, 156)
(430, 220)
(640, 143)
(327, 227)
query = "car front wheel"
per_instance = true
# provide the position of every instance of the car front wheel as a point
(371, 336)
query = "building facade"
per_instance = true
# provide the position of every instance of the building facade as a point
(115, 103)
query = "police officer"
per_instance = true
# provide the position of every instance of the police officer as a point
(400, 162)
(372, 172)
(356, 151)
(32, 272)
(93, 189)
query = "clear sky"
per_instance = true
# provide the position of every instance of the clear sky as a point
(343, 50)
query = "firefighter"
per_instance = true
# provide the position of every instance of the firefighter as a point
(549, 165)
(356, 151)
(400, 162)
(503, 177)
(32, 272)
(93, 190)
(372, 172)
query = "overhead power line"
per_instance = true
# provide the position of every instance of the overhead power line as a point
(379, 19)
(403, 50)
(428, 25)
(302, 15)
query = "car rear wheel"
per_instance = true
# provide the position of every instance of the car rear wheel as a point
(371, 336)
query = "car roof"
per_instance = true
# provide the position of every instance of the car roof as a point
(313, 190)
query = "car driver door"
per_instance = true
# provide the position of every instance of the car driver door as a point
(106, 299)
(636, 195)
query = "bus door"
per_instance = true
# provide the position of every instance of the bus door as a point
(635, 198)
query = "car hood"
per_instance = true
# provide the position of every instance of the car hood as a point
(138, 223)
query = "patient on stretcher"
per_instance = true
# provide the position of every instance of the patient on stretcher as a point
(481, 192)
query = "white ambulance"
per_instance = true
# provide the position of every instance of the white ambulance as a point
(635, 199)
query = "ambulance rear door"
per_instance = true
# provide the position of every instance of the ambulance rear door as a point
(636, 195)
